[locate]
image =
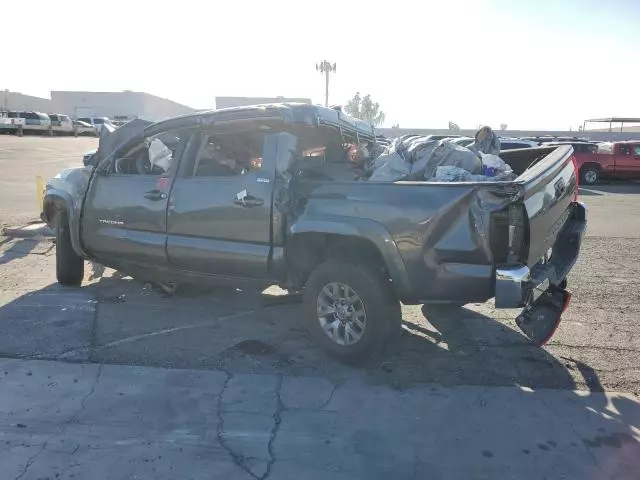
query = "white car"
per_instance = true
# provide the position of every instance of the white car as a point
(97, 122)
(83, 128)
(513, 143)
(86, 158)
(61, 123)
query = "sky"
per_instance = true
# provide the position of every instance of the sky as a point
(538, 64)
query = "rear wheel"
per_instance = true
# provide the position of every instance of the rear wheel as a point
(69, 265)
(589, 175)
(349, 310)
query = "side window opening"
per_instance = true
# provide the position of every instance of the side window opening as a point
(225, 155)
(154, 156)
(321, 152)
(624, 149)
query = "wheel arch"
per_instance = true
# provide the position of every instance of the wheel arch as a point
(311, 242)
(56, 200)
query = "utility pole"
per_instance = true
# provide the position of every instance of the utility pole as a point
(326, 68)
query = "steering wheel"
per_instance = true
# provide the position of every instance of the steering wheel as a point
(143, 163)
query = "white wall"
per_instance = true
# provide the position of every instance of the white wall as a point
(18, 101)
(98, 104)
(111, 104)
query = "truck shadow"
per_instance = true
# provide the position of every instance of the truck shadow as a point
(453, 346)
(123, 321)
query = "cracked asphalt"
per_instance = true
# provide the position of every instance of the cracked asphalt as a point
(117, 380)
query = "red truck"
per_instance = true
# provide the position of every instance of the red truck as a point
(607, 160)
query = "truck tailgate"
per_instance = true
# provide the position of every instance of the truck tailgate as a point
(550, 188)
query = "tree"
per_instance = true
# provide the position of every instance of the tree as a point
(503, 126)
(365, 109)
(454, 127)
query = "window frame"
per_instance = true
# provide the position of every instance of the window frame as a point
(171, 171)
(190, 164)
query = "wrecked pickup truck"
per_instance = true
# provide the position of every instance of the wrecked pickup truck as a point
(250, 197)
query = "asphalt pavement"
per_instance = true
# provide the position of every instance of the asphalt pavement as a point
(495, 396)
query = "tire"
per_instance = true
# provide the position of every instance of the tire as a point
(382, 317)
(69, 265)
(589, 175)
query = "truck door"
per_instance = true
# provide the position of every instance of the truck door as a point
(124, 215)
(625, 163)
(219, 217)
(634, 168)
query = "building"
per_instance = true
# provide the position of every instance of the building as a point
(18, 101)
(122, 105)
(226, 102)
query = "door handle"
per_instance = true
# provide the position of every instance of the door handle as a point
(248, 201)
(155, 195)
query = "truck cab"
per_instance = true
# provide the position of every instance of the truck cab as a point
(616, 160)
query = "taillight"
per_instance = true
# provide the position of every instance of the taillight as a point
(575, 167)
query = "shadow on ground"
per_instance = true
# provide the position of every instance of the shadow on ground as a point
(123, 321)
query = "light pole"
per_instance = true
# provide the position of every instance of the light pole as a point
(326, 68)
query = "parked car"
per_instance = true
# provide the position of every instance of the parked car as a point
(87, 158)
(513, 143)
(236, 197)
(97, 122)
(61, 123)
(84, 128)
(614, 160)
(33, 121)
(551, 138)
(463, 141)
(10, 124)
(440, 137)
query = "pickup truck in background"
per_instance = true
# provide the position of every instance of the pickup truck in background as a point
(611, 160)
(244, 197)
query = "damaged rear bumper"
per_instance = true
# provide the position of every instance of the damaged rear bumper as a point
(517, 286)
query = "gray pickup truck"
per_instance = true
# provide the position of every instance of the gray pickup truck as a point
(257, 196)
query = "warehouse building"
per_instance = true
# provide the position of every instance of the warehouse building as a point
(124, 105)
(18, 101)
(226, 102)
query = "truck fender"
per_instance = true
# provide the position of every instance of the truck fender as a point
(55, 200)
(366, 229)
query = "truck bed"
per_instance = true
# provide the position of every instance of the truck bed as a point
(451, 237)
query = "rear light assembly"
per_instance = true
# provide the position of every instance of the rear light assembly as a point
(575, 167)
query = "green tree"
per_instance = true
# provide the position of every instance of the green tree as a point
(365, 109)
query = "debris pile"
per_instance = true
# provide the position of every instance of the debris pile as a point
(419, 158)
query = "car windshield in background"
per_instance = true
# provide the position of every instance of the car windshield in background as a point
(98, 121)
(85, 120)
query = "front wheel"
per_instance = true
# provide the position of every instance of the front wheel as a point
(69, 265)
(349, 310)
(589, 175)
